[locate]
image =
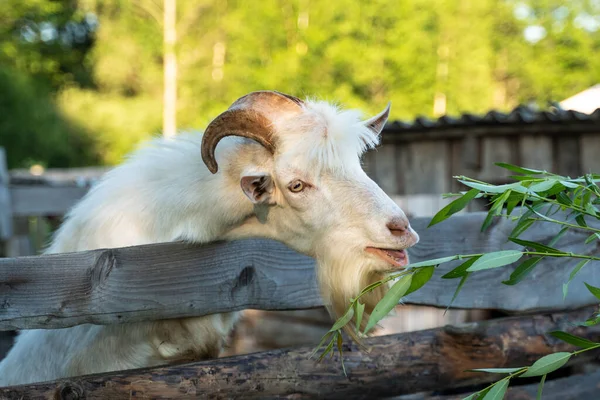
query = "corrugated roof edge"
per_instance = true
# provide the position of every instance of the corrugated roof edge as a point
(518, 116)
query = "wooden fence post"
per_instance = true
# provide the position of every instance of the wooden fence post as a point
(5, 208)
(6, 231)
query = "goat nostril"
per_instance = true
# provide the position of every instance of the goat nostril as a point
(398, 228)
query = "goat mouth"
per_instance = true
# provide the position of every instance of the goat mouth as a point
(397, 258)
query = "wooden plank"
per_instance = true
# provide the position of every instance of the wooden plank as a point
(19, 245)
(394, 365)
(137, 283)
(421, 205)
(495, 150)
(575, 387)
(567, 156)
(386, 170)
(424, 167)
(59, 175)
(535, 151)
(5, 205)
(465, 159)
(590, 151)
(368, 163)
(41, 200)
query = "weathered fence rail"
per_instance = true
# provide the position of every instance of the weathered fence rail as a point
(180, 280)
(394, 365)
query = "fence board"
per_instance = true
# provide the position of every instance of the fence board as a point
(494, 150)
(385, 171)
(41, 200)
(178, 280)
(567, 155)
(535, 151)
(394, 365)
(590, 148)
(5, 206)
(424, 167)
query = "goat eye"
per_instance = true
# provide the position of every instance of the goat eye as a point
(296, 186)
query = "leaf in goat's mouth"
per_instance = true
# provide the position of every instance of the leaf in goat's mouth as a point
(397, 258)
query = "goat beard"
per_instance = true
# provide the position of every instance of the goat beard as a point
(341, 279)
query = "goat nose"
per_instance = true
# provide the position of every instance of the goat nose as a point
(398, 227)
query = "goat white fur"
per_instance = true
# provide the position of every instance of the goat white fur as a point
(308, 191)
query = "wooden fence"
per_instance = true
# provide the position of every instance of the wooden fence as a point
(105, 287)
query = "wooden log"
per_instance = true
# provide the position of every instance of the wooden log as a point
(178, 280)
(575, 387)
(395, 365)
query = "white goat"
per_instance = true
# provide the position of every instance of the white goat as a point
(298, 165)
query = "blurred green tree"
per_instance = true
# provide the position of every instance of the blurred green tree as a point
(428, 58)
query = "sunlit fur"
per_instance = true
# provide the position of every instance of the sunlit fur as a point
(164, 192)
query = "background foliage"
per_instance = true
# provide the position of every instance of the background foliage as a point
(87, 74)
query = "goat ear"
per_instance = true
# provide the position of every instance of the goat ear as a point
(258, 188)
(377, 123)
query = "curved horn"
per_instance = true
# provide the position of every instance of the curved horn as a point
(252, 117)
(377, 123)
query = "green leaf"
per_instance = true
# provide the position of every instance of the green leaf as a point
(497, 391)
(592, 237)
(591, 321)
(511, 204)
(497, 370)
(574, 340)
(458, 289)
(577, 268)
(461, 270)
(581, 220)
(537, 246)
(429, 263)
(547, 364)
(543, 186)
(593, 290)
(495, 260)
(522, 226)
(564, 199)
(522, 270)
(327, 349)
(339, 346)
(360, 308)
(420, 277)
(569, 184)
(540, 388)
(520, 170)
(560, 234)
(343, 320)
(471, 397)
(591, 209)
(323, 340)
(517, 187)
(454, 207)
(389, 301)
(488, 220)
